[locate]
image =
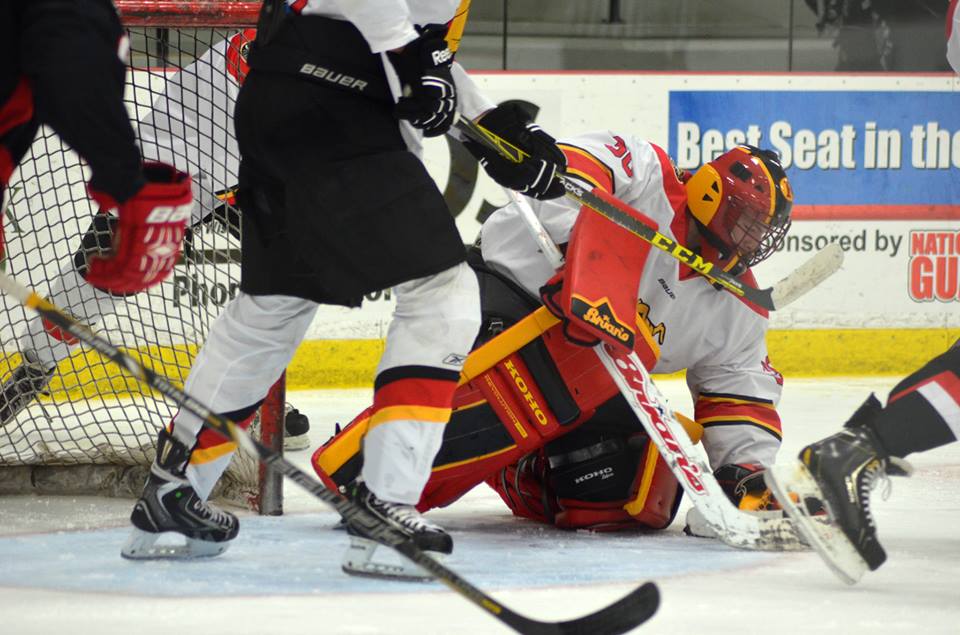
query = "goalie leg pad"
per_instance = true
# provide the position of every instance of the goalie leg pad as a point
(594, 478)
(510, 411)
(607, 476)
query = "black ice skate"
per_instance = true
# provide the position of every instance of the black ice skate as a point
(840, 471)
(26, 382)
(359, 557)
(296, 425)
(169, 504)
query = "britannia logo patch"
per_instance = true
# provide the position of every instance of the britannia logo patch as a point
(600, 316)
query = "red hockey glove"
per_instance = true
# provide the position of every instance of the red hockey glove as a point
(149, 232)
(423, 66)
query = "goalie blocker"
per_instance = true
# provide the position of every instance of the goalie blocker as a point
(545, 427)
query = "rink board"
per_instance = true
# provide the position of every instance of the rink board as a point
(875, 166)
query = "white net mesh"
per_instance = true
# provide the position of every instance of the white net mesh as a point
(180, 94)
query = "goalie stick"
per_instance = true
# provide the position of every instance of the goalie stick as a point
(811, 273)
(768, 530)
(623, 615)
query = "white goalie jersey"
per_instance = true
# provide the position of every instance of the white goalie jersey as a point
(190, 123)
(718, 338)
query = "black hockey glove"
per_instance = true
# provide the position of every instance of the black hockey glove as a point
(430, 96)
(536, 175)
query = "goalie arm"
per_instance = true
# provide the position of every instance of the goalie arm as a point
(813, 272)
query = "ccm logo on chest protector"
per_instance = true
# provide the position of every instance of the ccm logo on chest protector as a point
(334, 77)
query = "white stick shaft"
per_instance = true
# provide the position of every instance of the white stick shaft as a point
(546, 245)
(14, 288)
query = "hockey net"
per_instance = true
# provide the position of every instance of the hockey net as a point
(94, 430)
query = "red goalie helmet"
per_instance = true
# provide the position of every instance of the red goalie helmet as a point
(742, 202)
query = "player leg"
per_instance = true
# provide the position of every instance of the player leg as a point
(922, 412)
(435, 322)
(340, 207)
(248, 347)
(43, 345)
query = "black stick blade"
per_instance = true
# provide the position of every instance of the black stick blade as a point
(622, 616)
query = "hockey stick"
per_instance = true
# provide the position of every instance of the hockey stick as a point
(621, 616)
(737, 528)
(811, 273)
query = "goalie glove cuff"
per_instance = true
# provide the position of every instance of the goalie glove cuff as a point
(550, 294)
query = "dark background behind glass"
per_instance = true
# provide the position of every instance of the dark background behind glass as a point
(670, 35)
(707, 35)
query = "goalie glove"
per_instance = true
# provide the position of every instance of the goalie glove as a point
(149, 232)
(536, 175)
(430, 96)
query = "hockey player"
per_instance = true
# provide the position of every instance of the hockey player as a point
(546, 427)
(189, 126)
(922, 413)
(337, 203)
(63, 66)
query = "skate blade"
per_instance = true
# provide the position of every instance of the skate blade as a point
(824, 535)
(774, 531)
(299, 442)
(359, 561)
(142, 545)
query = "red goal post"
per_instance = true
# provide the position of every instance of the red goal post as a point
(94, 430)
(171, 14)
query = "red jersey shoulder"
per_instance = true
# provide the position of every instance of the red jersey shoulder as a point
(674, 189)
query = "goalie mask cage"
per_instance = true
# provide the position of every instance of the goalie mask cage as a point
(94, 430)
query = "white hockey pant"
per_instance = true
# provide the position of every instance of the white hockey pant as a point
(255, 337)
(435, 324)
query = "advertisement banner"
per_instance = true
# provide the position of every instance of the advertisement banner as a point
(893, 151)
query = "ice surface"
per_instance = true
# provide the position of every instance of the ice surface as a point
(60, 569)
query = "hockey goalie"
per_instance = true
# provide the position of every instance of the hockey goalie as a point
(545, 426)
